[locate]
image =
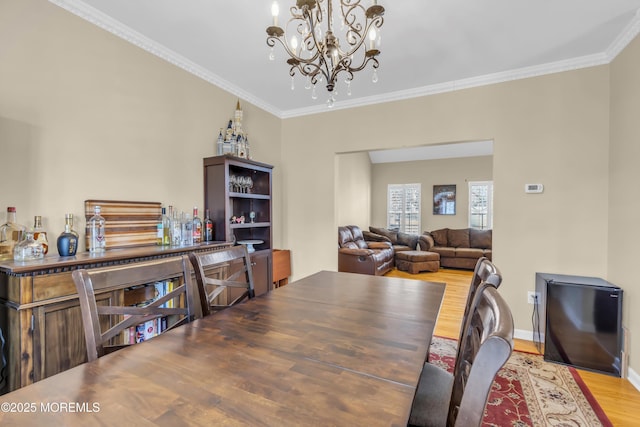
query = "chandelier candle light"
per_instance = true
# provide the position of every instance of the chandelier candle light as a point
(316, 51)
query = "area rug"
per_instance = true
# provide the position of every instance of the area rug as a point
(531, 392)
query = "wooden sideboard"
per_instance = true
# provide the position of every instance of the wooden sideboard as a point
(40, 315)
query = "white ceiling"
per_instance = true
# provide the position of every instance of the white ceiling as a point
(428, 46)
(432, 152)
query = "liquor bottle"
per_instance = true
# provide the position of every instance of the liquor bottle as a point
(197, 227)
(11, 234)
(176, 228)
(67, 242)
(208, 227)
(97, 240)
(39, 235)
(166, 227)
(28, 249)
(187, 229)
(160, 229)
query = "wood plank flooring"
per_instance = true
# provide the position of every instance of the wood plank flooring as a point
(617, 397)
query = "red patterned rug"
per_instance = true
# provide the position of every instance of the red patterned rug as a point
(531, 392)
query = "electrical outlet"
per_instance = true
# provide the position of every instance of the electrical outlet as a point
(533, 297)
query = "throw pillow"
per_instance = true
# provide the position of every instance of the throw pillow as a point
(458, 238)
(392, 235)
(480, 238)
(440, 237)
(406, 239)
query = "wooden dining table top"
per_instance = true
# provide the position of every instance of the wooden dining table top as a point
(329, 349)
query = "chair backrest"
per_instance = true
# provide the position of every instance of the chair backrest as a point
(485, 274)
(487, 344)
(111, 322)
(224, 278)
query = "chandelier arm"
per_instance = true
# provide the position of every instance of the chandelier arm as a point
(326, 56)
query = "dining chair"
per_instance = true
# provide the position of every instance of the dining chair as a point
(161, 291)
(484, 274)
(459, 398)
(224, 278)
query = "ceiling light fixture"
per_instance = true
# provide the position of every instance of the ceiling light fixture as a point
(317, 52)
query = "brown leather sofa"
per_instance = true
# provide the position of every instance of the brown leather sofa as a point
(399, 240)
(458, 248)
(355, 255)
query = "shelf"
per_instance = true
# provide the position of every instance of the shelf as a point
(249, 196)
(250, 225)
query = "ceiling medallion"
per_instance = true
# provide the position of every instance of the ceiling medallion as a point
(321, 51)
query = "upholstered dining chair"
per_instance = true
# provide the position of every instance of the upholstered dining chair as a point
(459, 398)
(106, 316)
(224, 278)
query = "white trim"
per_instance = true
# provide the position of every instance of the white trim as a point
(107, 23)
(634, 378)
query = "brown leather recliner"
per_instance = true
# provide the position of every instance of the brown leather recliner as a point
(355, 255)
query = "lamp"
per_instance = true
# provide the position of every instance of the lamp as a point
(318, 50)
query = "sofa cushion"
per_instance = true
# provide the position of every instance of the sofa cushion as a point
(410, 240)
(444, 251)
(391, 235)
(480, 238)
(440, 237)
(458, 238)
(469, 253)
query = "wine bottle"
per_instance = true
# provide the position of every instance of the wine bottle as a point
(208, 227)
(67, 242)
(97, 240)
(166, 227)
(197, 227)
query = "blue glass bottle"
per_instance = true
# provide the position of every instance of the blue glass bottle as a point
(68, 240)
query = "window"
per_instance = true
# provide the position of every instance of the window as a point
(403, 208)
(481, 204)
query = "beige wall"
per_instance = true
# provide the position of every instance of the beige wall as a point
(353, 189)
(429, 173)
(86, 115)
(551, 130)
(623, 200)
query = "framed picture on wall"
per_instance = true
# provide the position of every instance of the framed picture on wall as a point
(444, 199)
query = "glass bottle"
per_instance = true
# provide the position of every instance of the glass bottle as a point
(197, 227)
(28, 249)
(208, 227)
(187, 229)
(166, 227)
(160, 229)
(11, 234)
(97, 240)
(39, 235)
(67, 242)
(176, 228)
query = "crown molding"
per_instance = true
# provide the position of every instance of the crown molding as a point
(117, 28)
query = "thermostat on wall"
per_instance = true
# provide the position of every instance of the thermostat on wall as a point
(533, 188)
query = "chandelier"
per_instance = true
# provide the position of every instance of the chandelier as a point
(321, 51)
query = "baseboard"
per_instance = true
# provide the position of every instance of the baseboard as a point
(634, 378)
(522, 334)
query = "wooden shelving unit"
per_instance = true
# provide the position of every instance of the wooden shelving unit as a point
(226, 196)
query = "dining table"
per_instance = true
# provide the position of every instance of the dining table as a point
(333, 348)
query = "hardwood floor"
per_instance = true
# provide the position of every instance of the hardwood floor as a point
(617, 397)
